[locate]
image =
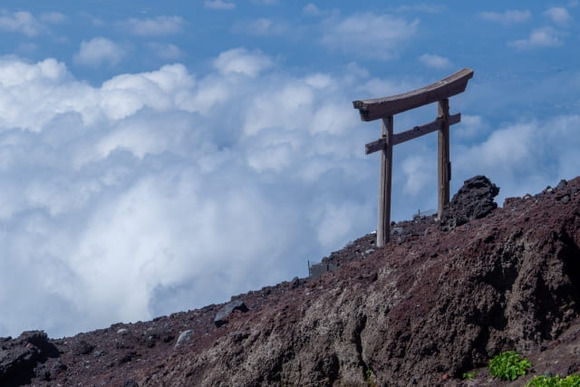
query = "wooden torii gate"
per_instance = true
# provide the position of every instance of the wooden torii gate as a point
(385, 109)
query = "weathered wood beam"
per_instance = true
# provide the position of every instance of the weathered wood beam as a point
(375, 146)
(419, 131)
(444, 168)
(372, 109)
(410, 134)
(385, 183)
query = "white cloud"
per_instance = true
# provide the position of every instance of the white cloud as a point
(435, 61)
(160, 90)
(219, 4)
(368, 35)
(53, 17)
(507, 146)
(319, 81)
(417, 170)
(507, 17)
(377, 87)
(99, 51)
(558, 15)
(471, 127)
(522, 157)
(92, 19)
(167, 51)
(567, 162)
(294, 98)
(311, 9)
(241, 61)
(261, 27)
(265, 2)
(31, 83)
(428, 8)
(540, 37)
(335, 222)
(122, 193)
(21, 22)
(159, 26)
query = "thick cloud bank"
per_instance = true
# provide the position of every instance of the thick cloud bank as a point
(162, 191)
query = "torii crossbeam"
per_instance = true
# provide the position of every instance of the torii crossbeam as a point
(385, 109)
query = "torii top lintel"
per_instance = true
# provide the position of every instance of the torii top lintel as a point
(373, 109)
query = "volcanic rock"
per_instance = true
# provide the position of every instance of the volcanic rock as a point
(20, 358)
(227, 310)
(83, 348)
(184, 337)
(473, 201)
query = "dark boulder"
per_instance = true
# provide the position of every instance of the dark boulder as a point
(473, 201)
(227, 310)
(83, 348)
(20, 357)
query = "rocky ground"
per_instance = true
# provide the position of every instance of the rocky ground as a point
(437, 301)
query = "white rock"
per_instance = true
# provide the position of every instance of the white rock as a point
(184, 337)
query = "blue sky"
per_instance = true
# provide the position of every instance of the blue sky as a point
(162, 156)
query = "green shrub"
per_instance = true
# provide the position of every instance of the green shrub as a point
(370, 378)
(509, 365)
(469, 375)
(555, 381)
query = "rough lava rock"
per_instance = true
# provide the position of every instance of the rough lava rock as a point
(227, 310)
(21, 359)
(473, 201)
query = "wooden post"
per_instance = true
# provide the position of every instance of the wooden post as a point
(444, 170)
(385, 183)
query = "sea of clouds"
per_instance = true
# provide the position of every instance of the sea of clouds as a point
(165, 191)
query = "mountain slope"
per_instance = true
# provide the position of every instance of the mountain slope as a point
(423, 310)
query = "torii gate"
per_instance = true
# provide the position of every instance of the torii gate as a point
(385, 109)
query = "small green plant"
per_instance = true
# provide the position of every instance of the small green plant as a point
(555, 381)
(509, 365)
(370, 378)
(469, 375)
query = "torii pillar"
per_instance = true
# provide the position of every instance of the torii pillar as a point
(385, 109)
